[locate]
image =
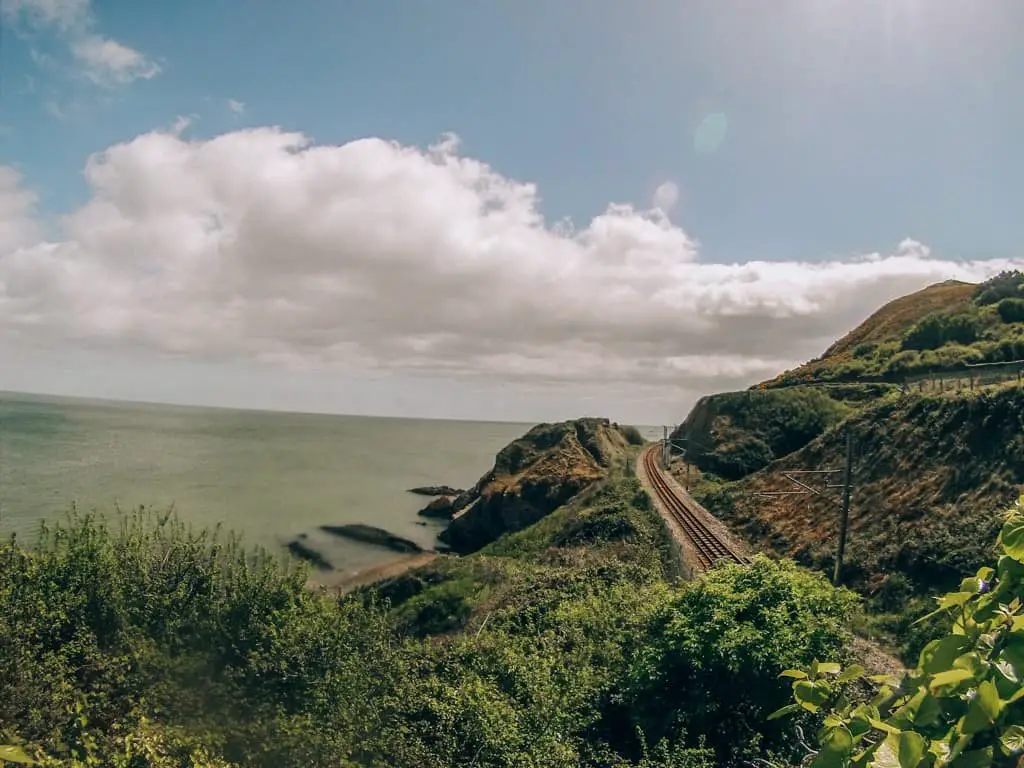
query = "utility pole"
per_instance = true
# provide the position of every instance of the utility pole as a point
(845, 515)
(664, 449)
(844, 505)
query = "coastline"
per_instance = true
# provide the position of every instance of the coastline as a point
(345, 582)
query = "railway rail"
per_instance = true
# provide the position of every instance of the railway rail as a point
(710, 549)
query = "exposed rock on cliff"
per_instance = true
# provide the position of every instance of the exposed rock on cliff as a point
(533, 476)
(442, 508)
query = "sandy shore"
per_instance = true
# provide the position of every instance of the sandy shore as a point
(345, 582)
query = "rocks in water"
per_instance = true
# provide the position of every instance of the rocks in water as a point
(442, 508)
(368, 534)
(301, 551)
(436, 490)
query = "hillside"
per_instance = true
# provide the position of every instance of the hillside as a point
(936, 329)
(932, 474)
(934, 463)
(533, 476)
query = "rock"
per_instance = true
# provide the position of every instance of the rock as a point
(442, 508)
(533, 476)
(436, 490)
(368, 534)
(421, 522)
(311, 556)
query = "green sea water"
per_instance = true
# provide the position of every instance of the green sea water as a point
(268, 476)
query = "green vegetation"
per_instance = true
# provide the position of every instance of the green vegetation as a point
(738, 433)
(933, 465)
(568, 643)
(936, 330)
(931, 474)
(960, 706)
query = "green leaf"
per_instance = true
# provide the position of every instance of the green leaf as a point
(887, 755)
(983, 710)
(783, 711)
(953, 599)
(1012, 738)
(976, 758)
(835, 748)
(799, 674)
(971, 585)
(829, 668)
(939, 655)
(911, 749)
(853, 672)
(949, 677)
(1013, 652)
(14, 754)
(1011, 538)
(810, 695)
(986, 573)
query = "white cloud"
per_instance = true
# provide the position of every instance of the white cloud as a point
(256, 247)
(238, 107)
(102, 60)
(666, 196)
(108, 62)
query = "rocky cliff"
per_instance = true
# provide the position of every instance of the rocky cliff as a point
(533, 476)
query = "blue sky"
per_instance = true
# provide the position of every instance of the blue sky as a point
(851, 124)
(848, 126)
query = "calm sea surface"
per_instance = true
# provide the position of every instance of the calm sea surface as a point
(269, 476)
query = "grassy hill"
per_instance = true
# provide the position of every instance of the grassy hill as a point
(936, 329)
(933, 469)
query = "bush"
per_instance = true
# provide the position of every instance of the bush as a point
(632, 435)
(714, 654)
(960, 706)
(938, 329)
(1011, 310)
(1008, 284)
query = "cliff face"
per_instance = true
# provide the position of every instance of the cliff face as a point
(533, 476)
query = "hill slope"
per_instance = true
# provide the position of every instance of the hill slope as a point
(932, 469)
(932, 475)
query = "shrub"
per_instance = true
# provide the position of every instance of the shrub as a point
(632, 435)
(1011, 310)
(1008, 284)
(938, 329)
(960, 706)
(713, 655)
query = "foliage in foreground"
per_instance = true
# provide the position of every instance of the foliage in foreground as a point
(563, 645)
(961, 705)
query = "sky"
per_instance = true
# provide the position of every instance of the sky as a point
(487, 210)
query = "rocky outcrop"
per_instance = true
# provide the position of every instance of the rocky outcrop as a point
(368, 534)
(533, 476)
(436, 490)
(442, 508)
(303, 552)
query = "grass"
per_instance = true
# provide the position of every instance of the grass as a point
(938, 329)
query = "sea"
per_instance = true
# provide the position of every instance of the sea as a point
(267, 476)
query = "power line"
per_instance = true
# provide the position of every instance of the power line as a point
(846, 486)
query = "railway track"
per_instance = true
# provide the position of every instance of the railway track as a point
(710, 549)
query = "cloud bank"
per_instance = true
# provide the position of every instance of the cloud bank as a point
(259, 246)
